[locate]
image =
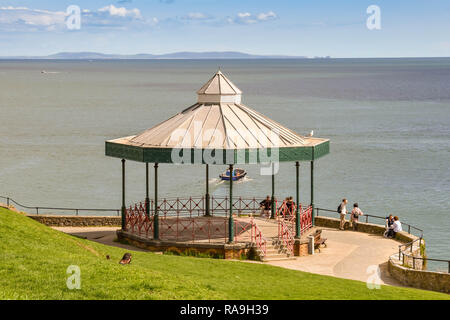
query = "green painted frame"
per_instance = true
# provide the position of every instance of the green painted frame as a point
(239, 156)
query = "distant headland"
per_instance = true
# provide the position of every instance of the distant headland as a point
(142, 56)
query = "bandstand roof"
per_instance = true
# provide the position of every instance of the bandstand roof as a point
(218, 122)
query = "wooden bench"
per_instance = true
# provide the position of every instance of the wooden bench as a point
(318, 240)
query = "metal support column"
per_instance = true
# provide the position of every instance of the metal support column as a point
(273, 208)
(297, 211)
(156, 215)
(147, 189)
(312, 192)
(207, 192)
(123, 196)
(230, 219)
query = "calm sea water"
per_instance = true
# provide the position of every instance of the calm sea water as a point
(388, 121)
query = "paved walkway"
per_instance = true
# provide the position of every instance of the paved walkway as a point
(104, 235)
(348, 254)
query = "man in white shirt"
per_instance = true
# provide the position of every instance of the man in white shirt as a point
(397, 225)
(343, 211)
(394, 228)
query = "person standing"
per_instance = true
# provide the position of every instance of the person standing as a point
(290, 206)
(342, 211)
(356, 212)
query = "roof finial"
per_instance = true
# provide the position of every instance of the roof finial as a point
(219, 89)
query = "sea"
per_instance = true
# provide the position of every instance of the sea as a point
(388, 121)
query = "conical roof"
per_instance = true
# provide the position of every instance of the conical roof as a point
(224, 126)
(212, 123)
(217, 121)
(219, 89)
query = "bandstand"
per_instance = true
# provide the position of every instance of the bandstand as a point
(217, 130)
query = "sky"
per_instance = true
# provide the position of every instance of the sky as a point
(336, 28)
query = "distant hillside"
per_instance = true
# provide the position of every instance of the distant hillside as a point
(175, 55)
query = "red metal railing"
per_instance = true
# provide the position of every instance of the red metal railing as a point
(136, 220)
(242, 230)
(286, 236)
(286, 225)
(185, 220)
(196, 206)
(241, 205)
(305, 219)
(181, 207)
(219, 206)
(259, 240)
(285, 211)
(248, 231)
(286, 216)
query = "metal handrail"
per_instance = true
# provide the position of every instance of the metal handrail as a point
(257, 234)
(402, 254)
(10, 200)
(367, 216)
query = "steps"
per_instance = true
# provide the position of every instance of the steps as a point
(275, 251)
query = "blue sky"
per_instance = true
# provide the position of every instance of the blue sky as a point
(418, 28)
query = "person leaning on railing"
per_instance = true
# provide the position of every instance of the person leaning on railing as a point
(342, 209)
(266, 207)
(356, 212)
(290, 206)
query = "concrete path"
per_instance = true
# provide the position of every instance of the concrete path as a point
(348, 255)
(104, 235)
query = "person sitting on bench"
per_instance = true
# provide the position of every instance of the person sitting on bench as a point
(389, 223)
(394, 228)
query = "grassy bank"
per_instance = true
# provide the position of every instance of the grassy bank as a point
(34, 260)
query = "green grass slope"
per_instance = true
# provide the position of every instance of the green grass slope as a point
(34, 260)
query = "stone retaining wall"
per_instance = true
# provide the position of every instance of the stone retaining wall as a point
(428, 280)
(371, 228)
(214, 250)
(77, 221)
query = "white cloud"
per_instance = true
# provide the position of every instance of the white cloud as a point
(196, 16)
(111, 17)
(121, 12)
(26, 19)
(244, 15)
(248, 18)
(21, 17)
(267, 16)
